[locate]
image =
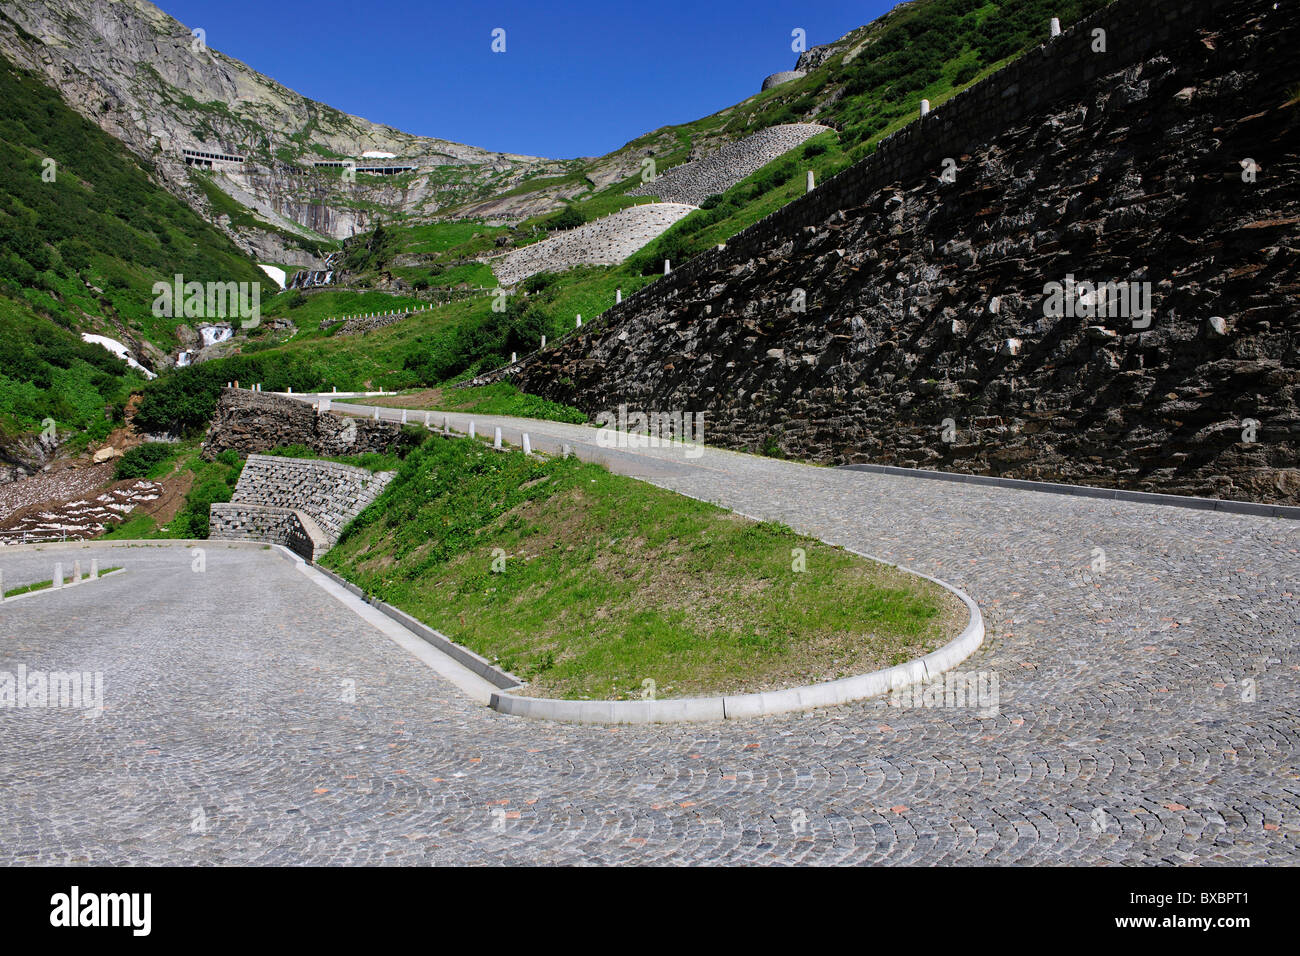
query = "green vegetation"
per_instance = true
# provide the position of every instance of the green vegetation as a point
(43, 585)
(371, 461)
(49, 373)
(150, 460)
(609, 581)
(210, 482)
(89, 244)
(499, 398)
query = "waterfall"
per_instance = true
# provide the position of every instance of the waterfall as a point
(212, 334)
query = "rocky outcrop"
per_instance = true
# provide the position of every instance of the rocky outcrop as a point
(301, 503)
(607, 241)
(903, 313)
(696, 181)
(251, 422)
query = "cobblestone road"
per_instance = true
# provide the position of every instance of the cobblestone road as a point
(1148, 713)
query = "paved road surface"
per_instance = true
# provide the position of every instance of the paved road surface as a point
(1147, 714)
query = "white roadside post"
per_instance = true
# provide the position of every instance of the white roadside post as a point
(812, 181)
(528, 445)
(94, 569)
(496, 439)
(58, 575)
(1056, 27)
(925, 107)
(76, 572)
(471, 429)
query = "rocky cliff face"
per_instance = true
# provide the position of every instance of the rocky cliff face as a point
(914, 322)
(144, 77)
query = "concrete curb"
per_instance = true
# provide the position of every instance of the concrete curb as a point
(462, 655)
(690, 709)
(1087, 491)
(739, 706)
(64, 587)
(130, 543)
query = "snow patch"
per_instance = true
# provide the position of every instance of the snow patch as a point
(118, 349)
(275, 272)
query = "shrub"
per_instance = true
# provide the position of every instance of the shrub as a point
(567, 218)
(142, 459)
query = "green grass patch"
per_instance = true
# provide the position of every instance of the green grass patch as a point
(44, 585)
(608, 582)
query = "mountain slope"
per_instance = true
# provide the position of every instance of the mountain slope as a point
(930, 335)
(84, 234)
(141, 76)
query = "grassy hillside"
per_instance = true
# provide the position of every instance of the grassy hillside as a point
(868, 86)
(85, 249)
(604, 582)
(49, 374)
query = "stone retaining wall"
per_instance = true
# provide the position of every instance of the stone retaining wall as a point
(299, 502)
(696, 181)
(974, 116)
(249, 422)
(785, 76)
(607, 241)
(925, 339)
(249, 522)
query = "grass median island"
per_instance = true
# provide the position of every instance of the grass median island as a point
(608, 582)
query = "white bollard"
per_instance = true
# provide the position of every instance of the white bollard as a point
(471, 429)
(333, 389)
(496, 439)
(543, 341)
(403, 416)
(668, 267)
(446, 426)
(1056, 27)
(925, 107)
(514, 357)
(566, 450)
(812, 182)
(290, 390)
(94, 569)
(58, 575)
(618, 296)
(428, 417)
(578, 321)
(76, 572)
(528, 446)
(376, 414)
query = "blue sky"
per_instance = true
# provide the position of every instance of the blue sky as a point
(578, 78)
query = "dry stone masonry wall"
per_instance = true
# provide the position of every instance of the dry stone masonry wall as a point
(251, 422)
(299, 502)
(607, 241)
(696, 181)
(928, 339)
